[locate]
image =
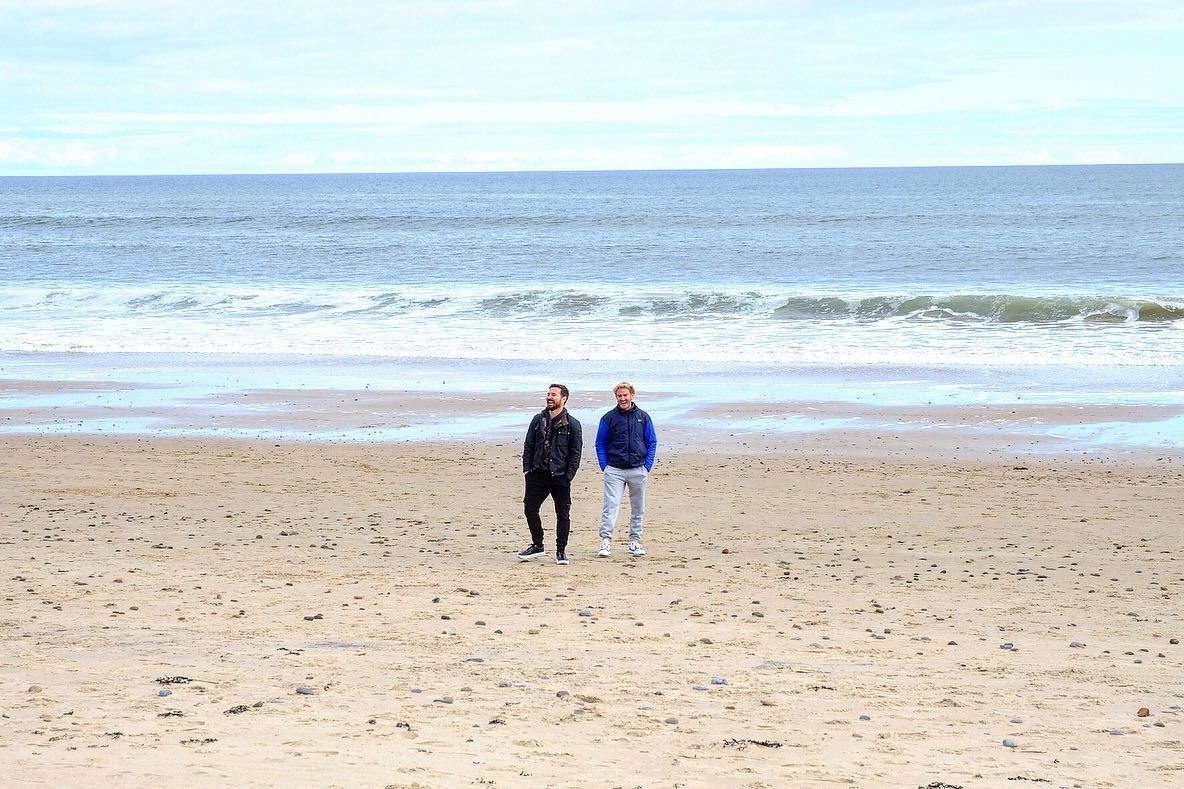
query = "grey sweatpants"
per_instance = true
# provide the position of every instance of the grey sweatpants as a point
(615, 482)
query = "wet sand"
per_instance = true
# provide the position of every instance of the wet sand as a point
(812, 612)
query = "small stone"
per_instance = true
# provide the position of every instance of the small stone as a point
(1007, 645)
(443, 700)
(1077, 645)
(718, 681)
(699, 687)
(1017, 720)
(865, 717)
(586, 612)
(164, 692)
(1116, 732)
(951, 643)
(35, 689)
(672, 720)
(1011, 742)
(563, 694)
(306, 691)
(503, 684)
(1173, 641)
(1143, 712)
(768, 703)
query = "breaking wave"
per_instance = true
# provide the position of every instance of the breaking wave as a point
(587, 302)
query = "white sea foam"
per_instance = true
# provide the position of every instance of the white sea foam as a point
(752, 326)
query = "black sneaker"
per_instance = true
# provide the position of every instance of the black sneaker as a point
(530, 551)
(561, 558)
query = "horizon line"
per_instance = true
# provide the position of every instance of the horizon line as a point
(594, 170)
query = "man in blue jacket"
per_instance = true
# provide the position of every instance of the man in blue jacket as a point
(626, 445)
(550, 460)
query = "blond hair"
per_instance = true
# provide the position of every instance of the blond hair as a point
(625, 385)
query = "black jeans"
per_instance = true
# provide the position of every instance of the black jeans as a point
(539, 485)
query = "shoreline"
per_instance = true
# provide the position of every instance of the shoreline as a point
(382, 401)
(855, 608)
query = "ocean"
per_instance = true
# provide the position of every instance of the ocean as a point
(1050, 284)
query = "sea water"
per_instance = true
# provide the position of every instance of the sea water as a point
(901, 286)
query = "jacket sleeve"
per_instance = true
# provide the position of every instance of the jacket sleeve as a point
(575, 450)
(528, 446)
(602, 442)
(651, 444)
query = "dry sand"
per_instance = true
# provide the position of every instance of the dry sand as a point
(820, 585)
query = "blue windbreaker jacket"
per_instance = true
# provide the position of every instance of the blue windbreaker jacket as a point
(626, 439)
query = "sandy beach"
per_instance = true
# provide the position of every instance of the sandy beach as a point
(208, 612)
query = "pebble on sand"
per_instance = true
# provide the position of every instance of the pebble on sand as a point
(1011, 742)
(306, 691)
(1143, 712)
(672, 720)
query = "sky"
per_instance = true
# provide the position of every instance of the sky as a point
(236, 86)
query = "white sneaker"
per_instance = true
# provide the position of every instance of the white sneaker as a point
(606, 547)
(636, 548)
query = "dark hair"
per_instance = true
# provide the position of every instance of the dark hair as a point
(562, 389)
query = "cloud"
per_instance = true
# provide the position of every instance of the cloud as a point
(56, 155)
(221, 85)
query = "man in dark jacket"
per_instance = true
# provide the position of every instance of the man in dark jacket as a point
(550, 459)
(626, 445)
